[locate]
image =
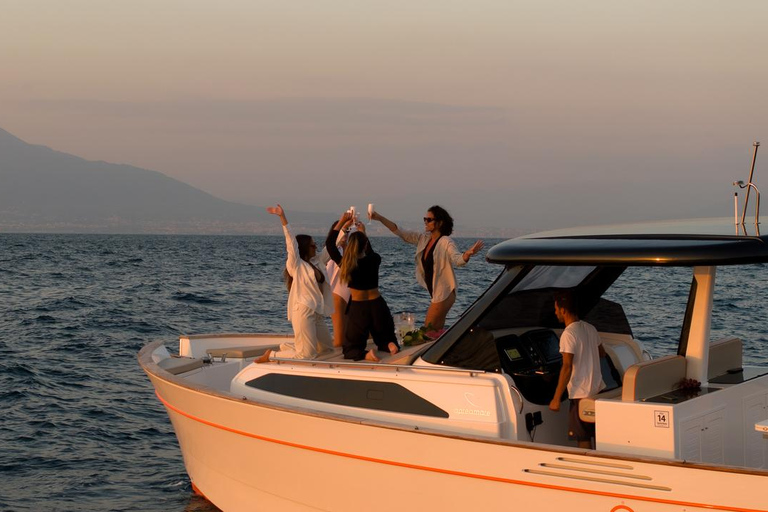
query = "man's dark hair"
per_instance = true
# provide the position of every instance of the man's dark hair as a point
(566, 300)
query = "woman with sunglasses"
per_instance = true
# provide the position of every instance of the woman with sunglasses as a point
(309, 296)
(436, 255)
(367, 311)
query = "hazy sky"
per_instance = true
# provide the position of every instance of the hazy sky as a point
(525, 114)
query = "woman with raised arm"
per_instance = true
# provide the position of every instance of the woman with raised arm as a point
(367, 312)
(340, 290)
(436, 255)
(309, 296)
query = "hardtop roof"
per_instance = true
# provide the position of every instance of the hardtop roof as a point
(702, 242)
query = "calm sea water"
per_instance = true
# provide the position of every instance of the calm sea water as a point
(81, 428)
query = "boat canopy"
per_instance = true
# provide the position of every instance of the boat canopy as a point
(657, 244)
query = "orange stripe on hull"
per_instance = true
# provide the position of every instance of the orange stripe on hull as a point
(464, 474)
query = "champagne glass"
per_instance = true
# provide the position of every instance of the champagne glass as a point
(370, 213)
(353, 213)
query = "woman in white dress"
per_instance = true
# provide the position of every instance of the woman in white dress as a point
(309, 296)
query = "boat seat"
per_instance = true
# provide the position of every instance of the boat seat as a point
(612, 380)
(177, 365)
(724, 354)
(652, 378)
(622, 355)
(587, 405)
(240, 352)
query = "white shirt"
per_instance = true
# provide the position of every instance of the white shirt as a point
(582, 340)
(337, 287)
(446, 255)
(305, 290)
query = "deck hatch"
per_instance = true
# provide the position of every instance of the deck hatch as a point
(381, 396)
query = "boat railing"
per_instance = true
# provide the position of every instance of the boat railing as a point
(748, 185)
(373, 365)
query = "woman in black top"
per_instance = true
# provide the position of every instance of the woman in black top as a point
(367, 312)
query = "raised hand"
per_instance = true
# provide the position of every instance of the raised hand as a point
(476, 247)
(278, 210)
(344, 219)
(347, 224)
(473, 250)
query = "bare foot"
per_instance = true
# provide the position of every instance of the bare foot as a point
(393, 348)
(371, 356)
(263, 358)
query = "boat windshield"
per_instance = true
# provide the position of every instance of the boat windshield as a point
(547, 276)
(528, 303)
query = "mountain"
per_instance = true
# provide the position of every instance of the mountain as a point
(49, 191)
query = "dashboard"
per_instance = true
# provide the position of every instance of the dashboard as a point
(533, 360)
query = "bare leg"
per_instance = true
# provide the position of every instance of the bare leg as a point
(338, 318)
(393, 348)
(263, 358)
(371, 356)
(438, 311)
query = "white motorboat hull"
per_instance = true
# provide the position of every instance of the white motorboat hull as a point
(245, 455)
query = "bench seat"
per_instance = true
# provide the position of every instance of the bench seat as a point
(240, 352)
(651, 378)
(725, 355)
(177, 365)
(587, 405)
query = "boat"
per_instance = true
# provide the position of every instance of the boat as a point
(464, 421)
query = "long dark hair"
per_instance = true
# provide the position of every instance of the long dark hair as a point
(444, 218)
(305, 245)
(356, 243)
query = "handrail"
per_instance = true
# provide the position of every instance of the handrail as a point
(749, 185)
(520, 395)
(370, 365)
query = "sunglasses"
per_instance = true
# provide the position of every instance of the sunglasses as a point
(427, 220)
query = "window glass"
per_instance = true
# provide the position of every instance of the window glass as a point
(553, 277)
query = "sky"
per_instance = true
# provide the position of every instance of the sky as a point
(519, 114)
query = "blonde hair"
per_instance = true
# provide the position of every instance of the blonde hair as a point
(356, 244)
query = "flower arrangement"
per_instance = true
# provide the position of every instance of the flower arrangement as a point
(421, 335)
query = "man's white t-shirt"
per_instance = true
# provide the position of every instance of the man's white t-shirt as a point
(582, 340)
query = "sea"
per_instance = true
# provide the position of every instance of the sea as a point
(80, 426)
